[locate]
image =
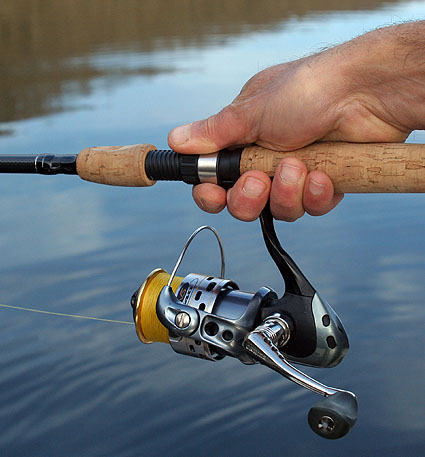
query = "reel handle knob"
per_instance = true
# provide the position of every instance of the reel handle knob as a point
(334, 416)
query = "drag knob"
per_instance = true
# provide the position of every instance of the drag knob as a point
(334, 416)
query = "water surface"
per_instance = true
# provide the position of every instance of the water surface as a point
(78, 73)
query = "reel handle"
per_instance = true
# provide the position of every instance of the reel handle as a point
(331, 418)
(353, 167)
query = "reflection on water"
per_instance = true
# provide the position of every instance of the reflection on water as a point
(77, 73)
(45, 47)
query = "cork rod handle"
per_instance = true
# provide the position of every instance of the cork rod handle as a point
(352, 167)
(115, 165)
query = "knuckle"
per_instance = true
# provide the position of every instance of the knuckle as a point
(209, 198)
(242, 208)
(287, 217)
(288, 213)
(290, 219)
(240, 213)
(251, 86)
(210, 126)
(286, 203)
(315, 212)
(315, 206)
(233, 115)
(243, 217)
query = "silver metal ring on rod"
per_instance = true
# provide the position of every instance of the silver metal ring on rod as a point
(207, 168)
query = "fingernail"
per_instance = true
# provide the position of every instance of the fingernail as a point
(290, 173)
(181, 135)
(315, 187)
(254, 187)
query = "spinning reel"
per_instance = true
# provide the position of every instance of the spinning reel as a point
(209, 317)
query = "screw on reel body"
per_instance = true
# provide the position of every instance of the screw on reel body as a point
(209, 317)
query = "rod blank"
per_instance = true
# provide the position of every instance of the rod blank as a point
(45, 164)
(18, 164)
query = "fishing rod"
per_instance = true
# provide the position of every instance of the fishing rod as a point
(352, 167)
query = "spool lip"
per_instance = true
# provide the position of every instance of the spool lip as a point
(140, 294)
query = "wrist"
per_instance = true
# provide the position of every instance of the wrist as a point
(385, 71)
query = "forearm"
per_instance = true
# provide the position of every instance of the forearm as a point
(386, 69)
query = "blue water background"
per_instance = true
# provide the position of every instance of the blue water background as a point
(83, 388)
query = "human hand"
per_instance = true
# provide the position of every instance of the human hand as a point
(327, 96)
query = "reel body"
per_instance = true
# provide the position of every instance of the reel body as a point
(209, 317)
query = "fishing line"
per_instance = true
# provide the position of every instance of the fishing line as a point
(148, 327)
(65, 315)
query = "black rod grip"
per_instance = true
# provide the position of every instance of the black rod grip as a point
(167, 165)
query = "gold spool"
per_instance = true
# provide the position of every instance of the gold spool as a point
(148, 327)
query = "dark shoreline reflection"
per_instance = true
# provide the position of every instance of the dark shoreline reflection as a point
(45, 46)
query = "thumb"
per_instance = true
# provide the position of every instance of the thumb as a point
(229, 127)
